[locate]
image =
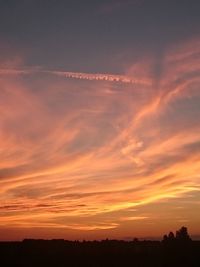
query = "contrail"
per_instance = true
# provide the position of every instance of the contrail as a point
(5, 71)
(101, 77)
(78, 75)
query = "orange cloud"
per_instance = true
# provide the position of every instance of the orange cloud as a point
(85, 155)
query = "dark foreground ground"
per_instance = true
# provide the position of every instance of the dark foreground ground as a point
(110, 253)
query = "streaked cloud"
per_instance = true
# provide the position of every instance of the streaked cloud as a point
(77, 75)
(83, 155)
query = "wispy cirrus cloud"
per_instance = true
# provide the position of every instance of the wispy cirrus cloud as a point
(84, 158)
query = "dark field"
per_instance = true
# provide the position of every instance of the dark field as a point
(100, 253)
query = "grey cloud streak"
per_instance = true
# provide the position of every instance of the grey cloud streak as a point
(78, 75)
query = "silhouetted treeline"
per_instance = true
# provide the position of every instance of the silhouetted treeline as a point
(173, 251)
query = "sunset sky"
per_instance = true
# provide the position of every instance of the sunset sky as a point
(99, 118)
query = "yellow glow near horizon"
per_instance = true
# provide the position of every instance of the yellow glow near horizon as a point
(95, 159)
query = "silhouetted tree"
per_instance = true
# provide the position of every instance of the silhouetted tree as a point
(182, 234)
(165, 238)
(171, 236)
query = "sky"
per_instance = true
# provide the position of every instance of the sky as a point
(99, 118)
